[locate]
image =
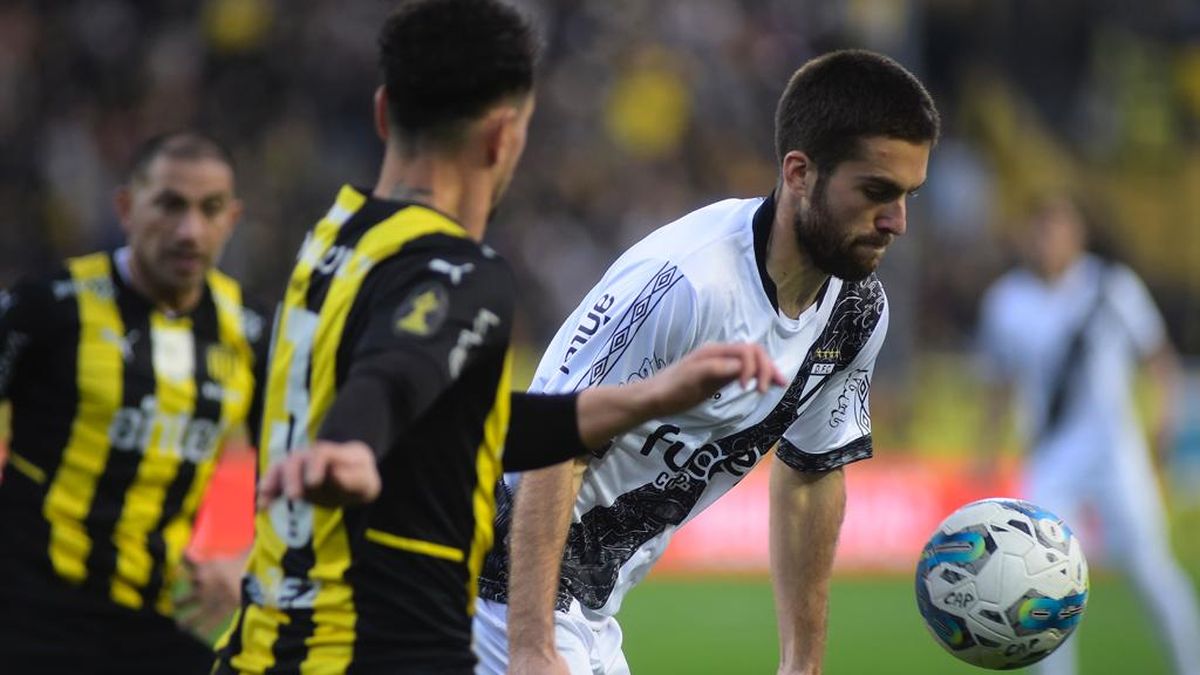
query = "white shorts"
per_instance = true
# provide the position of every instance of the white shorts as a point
(590, 646)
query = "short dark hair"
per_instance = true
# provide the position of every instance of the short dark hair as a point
(186, 144)
(835, 100)
(445, 62)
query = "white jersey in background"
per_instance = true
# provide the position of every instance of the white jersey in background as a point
(699, 279)
(1029, 331)
(1082, 336)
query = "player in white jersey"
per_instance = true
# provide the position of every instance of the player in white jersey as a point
(793, 273)
(1066, 334)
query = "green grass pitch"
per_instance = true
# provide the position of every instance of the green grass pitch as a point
(726, 626)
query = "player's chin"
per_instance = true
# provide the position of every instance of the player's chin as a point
(182, 272)
(862, 264)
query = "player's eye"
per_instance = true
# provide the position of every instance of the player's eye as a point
(171, 203)
(213, 207)
(881, 195)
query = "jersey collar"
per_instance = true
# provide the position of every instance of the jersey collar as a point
(764, 217)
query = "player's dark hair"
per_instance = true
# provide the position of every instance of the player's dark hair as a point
(835, 100)
(445, 62)
(187, 144)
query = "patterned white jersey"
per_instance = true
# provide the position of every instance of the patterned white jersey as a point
(699, 279)
(1029, 334)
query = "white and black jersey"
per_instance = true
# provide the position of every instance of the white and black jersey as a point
(700, 279)
(1071, 347)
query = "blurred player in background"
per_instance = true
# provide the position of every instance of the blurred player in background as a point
(793, 273)
(388, 400)
(1064, 334)
(126, 372)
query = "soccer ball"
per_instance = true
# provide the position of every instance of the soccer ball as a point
(1002, 583)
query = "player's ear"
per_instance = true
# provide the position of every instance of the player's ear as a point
(236, 208)
(799, 173)
(123, 205)
(500, 134)
(382, 126)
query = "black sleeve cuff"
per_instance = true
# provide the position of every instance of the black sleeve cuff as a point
(543, 431)
(859, 448)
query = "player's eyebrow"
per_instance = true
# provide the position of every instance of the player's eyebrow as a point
(169, 198)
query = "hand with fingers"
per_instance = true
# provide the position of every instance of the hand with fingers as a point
(214, 592)
(326, 474)
(704, 371)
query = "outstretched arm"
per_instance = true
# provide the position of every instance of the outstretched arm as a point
(543, 429)
(806, 516)
(344, 473)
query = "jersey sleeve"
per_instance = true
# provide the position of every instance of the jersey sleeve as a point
(426, 320)
(640, 318)
(1136, 311)
(21, 310)
(835, 428)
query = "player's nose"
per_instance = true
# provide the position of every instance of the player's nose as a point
(191, 226)
(893, 218)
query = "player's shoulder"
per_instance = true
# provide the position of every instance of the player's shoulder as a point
(1114, 270)
(709, 233)
(49, 296)
(61, 283)
(461, 266)
(710, 248)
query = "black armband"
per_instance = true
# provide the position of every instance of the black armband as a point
(544, 430)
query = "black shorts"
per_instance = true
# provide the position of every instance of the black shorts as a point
(88, 638)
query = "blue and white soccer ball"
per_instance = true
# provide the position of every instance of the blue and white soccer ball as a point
(1002, 583)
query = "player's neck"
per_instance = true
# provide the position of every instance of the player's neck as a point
(437, 183)
(797, 280)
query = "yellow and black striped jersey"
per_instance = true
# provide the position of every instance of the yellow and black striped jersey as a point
(390, 584)
(118, 411)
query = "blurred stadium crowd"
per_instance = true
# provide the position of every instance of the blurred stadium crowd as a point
(646, 110)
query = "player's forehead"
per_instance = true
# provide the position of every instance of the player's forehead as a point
(193, 178)
(889, 160)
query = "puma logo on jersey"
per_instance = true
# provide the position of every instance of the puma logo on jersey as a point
(122, 342)
(455, 272)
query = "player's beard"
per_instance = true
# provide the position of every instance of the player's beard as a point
(822, 238)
